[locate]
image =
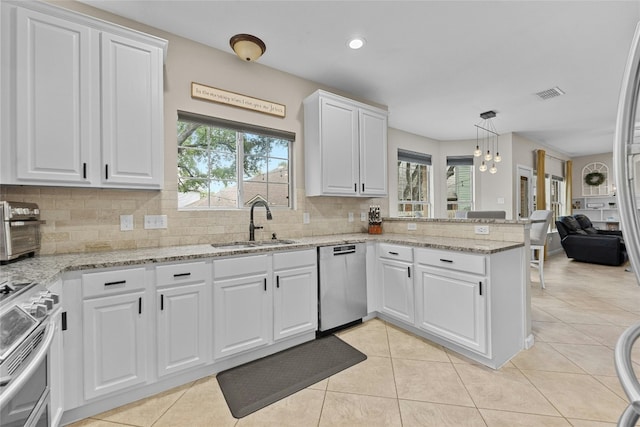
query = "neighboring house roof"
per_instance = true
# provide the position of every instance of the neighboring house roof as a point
(272, 187)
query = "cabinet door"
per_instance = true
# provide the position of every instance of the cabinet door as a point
(242, 314)
(56, 366)
(397, 290)
(54, 99)
(115, 351)
(182, 325)
(133, 142)
(373, 153)
(339, 139)
(453, 308)
(295, 302)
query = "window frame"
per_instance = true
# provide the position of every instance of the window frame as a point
(241, 131)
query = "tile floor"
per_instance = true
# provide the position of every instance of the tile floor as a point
(566, 379)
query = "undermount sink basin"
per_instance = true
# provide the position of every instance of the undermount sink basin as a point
(256, 244)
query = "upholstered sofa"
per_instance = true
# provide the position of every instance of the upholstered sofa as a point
(583, 242)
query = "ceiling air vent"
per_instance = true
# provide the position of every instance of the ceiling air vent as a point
(550, 93)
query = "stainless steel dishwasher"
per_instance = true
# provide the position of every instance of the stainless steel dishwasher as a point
(342, 285)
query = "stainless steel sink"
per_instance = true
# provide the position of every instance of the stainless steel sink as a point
(254, 244)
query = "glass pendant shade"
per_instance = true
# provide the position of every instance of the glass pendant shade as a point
(493, 169)
(482, 167)
(488, 156)
(497, 158)
(478, 152)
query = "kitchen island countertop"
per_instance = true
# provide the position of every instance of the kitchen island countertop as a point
(46, 269)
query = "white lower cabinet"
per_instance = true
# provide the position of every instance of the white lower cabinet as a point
(115, 319)
(295, 298)
(262, 299)
(241, 304)
(396, 282)
(453, 307)
(56, 363)
(182, 307)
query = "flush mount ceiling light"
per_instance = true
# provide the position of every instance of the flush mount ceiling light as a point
(487, 137)
(247, 47)
(356, 43)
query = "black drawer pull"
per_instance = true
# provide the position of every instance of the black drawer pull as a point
(106, 171)
(265, 284)
(409, 271)
(161, 302)
(393, 253)
(445, 260)
(182, 275)
(277, 281)
(64, 321)
(140, 305)
(84, 170)
(119, 282)
(480, 283)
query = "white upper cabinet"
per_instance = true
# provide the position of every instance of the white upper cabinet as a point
(83, 101)
(54, 98)
(131, 112)
(345, 147)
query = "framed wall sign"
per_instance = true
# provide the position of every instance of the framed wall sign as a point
(220, 96)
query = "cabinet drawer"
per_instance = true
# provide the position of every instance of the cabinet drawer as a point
(111, 282)
(282, 260)
(240, 266)
(397, 252)
(181, 273)
(474, 264)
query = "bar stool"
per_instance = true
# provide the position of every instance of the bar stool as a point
(538, 239)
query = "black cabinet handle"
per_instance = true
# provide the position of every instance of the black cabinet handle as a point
(64, 320)
(446, 260)
(84, 170)
(393, 253)
(409, 271)
(140, 305)
(182, 275)
(161, 302)
(106, 171)
(119, 282)
(265, 284)
(480, 288)
(277, 281)
(355, 187)
(363, 187)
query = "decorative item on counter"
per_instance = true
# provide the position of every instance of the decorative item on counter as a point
(375, 220)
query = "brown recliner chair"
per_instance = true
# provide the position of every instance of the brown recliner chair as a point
(583, 242)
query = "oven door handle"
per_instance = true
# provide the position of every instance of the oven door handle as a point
(16, 384)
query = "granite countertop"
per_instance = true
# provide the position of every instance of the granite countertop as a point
(48, 268)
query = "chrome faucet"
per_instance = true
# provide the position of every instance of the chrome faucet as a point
(252, 228)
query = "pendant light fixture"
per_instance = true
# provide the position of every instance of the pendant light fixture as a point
(487, 142)
(248, 48)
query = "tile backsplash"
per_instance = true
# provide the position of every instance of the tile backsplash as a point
(83, 220)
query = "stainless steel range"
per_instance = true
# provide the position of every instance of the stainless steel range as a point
(26, 332)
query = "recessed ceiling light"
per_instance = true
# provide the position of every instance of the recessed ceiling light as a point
(356, 43)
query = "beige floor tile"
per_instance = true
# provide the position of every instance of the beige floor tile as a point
(320, 385)
(594, 359)
(541, 315)
(352, 410)
(584, 423)
(543, 357)
(426, 414)
(202, 405)
(369, 339)
(578, 396)
(299, 409)
(507, 389)
(373, 377)
(426, 381)
(146, 411)
(618, 317)
(576, 315)
(613, 384)
(560, 333)
(514, 419)
(408, 346)
(92, 422)
(603, 334)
